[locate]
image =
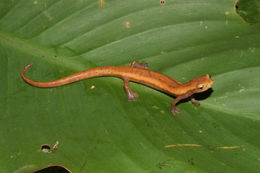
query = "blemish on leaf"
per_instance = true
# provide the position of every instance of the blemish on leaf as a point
(155, 107)
(242, 90)
(35, 2)
(55, 146)
(226, 13)
(226, 22)
(228, 147)
(101, 3)
(182, 145)
(162, 2)
(47, 14)
(162, 52)
(252, 49)
(92, 87)
(127, 24)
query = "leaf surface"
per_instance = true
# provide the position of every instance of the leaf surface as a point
(91, 122)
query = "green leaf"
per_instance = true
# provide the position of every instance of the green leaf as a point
(90, 124)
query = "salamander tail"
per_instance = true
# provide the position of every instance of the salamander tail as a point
(24, 71)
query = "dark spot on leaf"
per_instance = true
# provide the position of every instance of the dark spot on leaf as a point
(215, 125)
(190, 161)
(162, 164)
(210, 148)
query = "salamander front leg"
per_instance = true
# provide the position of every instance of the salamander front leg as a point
(174, 108)
(130, 94)
(139, 64)
(194, 101)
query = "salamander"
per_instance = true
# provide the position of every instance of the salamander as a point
(139, 73)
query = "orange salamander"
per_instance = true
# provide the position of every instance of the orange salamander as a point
(136, 72)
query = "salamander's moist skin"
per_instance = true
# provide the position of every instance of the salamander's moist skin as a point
(136, 72)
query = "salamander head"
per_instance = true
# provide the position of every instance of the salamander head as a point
(202, 83)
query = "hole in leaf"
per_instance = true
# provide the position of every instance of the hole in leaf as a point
(53, 169)
(45, 148)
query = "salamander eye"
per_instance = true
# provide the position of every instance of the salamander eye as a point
(200, 86)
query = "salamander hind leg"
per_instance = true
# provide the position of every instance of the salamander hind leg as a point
(130, 94)
(139, 64)
(175, 110)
